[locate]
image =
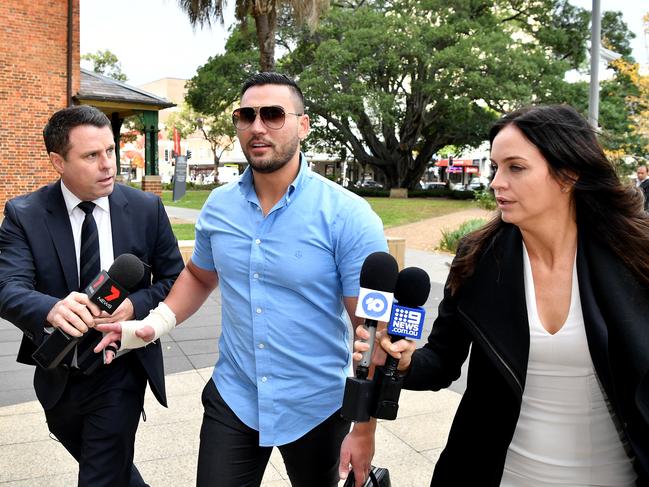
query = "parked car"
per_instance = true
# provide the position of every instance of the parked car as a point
(477, 184)
(432, 184)
(369, 183)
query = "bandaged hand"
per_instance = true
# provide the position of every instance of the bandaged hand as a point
(136, 334)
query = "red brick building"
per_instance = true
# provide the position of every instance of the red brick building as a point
(39, 55)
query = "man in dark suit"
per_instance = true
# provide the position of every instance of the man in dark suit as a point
(643, 184)
(43, 261)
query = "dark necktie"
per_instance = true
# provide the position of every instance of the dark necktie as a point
(89, 264)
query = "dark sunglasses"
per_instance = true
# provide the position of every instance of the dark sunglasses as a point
(272, 116)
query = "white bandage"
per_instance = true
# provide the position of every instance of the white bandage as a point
(161, 319)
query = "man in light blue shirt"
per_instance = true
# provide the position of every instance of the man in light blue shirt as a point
(287, 247)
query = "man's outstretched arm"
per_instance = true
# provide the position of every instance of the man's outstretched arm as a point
(188, 293)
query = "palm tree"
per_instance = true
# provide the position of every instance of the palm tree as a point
(202, 12)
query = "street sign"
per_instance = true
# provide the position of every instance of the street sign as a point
(180, 178)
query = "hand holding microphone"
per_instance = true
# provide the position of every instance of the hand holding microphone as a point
(406, 321)
(377, 280)
(73, 317)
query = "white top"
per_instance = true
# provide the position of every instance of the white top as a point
(101, 214)
(565, 434)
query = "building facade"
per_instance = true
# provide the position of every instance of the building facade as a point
(39, 55)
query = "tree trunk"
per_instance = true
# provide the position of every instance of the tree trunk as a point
(216, 166)
(265, 26)
(401, 172)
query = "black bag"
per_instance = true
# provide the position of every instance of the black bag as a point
(379, 477)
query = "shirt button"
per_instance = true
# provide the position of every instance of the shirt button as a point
(261, 345)
(258, 311)
(264, 379)
(255, 275)
(257, 241)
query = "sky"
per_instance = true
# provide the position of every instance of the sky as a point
(153, 39)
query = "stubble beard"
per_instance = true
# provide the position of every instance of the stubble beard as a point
(282, 157)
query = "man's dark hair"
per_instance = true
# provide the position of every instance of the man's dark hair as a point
(57, 131)
(270, 78)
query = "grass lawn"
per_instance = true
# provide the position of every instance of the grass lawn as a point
(183, 231)
(192, 199)
(392, 212)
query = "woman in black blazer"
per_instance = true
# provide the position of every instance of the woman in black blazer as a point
(553, 297)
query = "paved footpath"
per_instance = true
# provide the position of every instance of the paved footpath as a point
(167, 443)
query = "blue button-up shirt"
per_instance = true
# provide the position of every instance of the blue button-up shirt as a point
(285, 345)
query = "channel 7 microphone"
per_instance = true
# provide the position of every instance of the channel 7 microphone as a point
(108, 290)
(378, 279)
(407, 320)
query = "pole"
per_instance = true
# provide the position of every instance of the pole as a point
(595, 43)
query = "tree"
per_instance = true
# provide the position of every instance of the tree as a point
(106, 63)
(393, 82)
(624, 99)
(264, 13)
(216, 85)
(396, 83)
(217, 130)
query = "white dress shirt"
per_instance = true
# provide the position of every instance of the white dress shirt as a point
(101, 213)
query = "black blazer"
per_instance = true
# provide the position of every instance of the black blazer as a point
(38, 267)
(489, 313)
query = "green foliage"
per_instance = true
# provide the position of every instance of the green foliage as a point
(265, 14)
(616, 34)
(106, 63)
(451, 238)
(394, 83)
(485, 199)
(216, 86)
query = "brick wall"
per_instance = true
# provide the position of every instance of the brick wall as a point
(33, 85)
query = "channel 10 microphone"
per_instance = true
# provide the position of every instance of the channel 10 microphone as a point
(406, 321)
(108, 290)
(377, 281)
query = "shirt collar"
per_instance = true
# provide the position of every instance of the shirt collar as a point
(246, 182)
(71, 200)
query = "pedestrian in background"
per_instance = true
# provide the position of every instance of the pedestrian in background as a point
(643, 184)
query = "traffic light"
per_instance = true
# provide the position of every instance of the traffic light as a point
(450, 161)
(166, 154)
(189, 154)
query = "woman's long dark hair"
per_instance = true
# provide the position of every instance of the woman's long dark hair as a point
(611, 211)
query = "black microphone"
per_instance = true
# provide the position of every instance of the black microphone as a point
(377, 281)
(108, 290)
(407, 320)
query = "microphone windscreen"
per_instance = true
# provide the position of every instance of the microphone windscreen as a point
(379, 272)
(127, 270)
(412, 288)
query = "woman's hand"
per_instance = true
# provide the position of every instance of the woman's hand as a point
(401, 349)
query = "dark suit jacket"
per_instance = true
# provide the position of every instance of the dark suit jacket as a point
(38, 267)
(489, 312)
(644, 186)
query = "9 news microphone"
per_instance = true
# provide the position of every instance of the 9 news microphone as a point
(407, 320)
(108, 290)
(378, 279)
